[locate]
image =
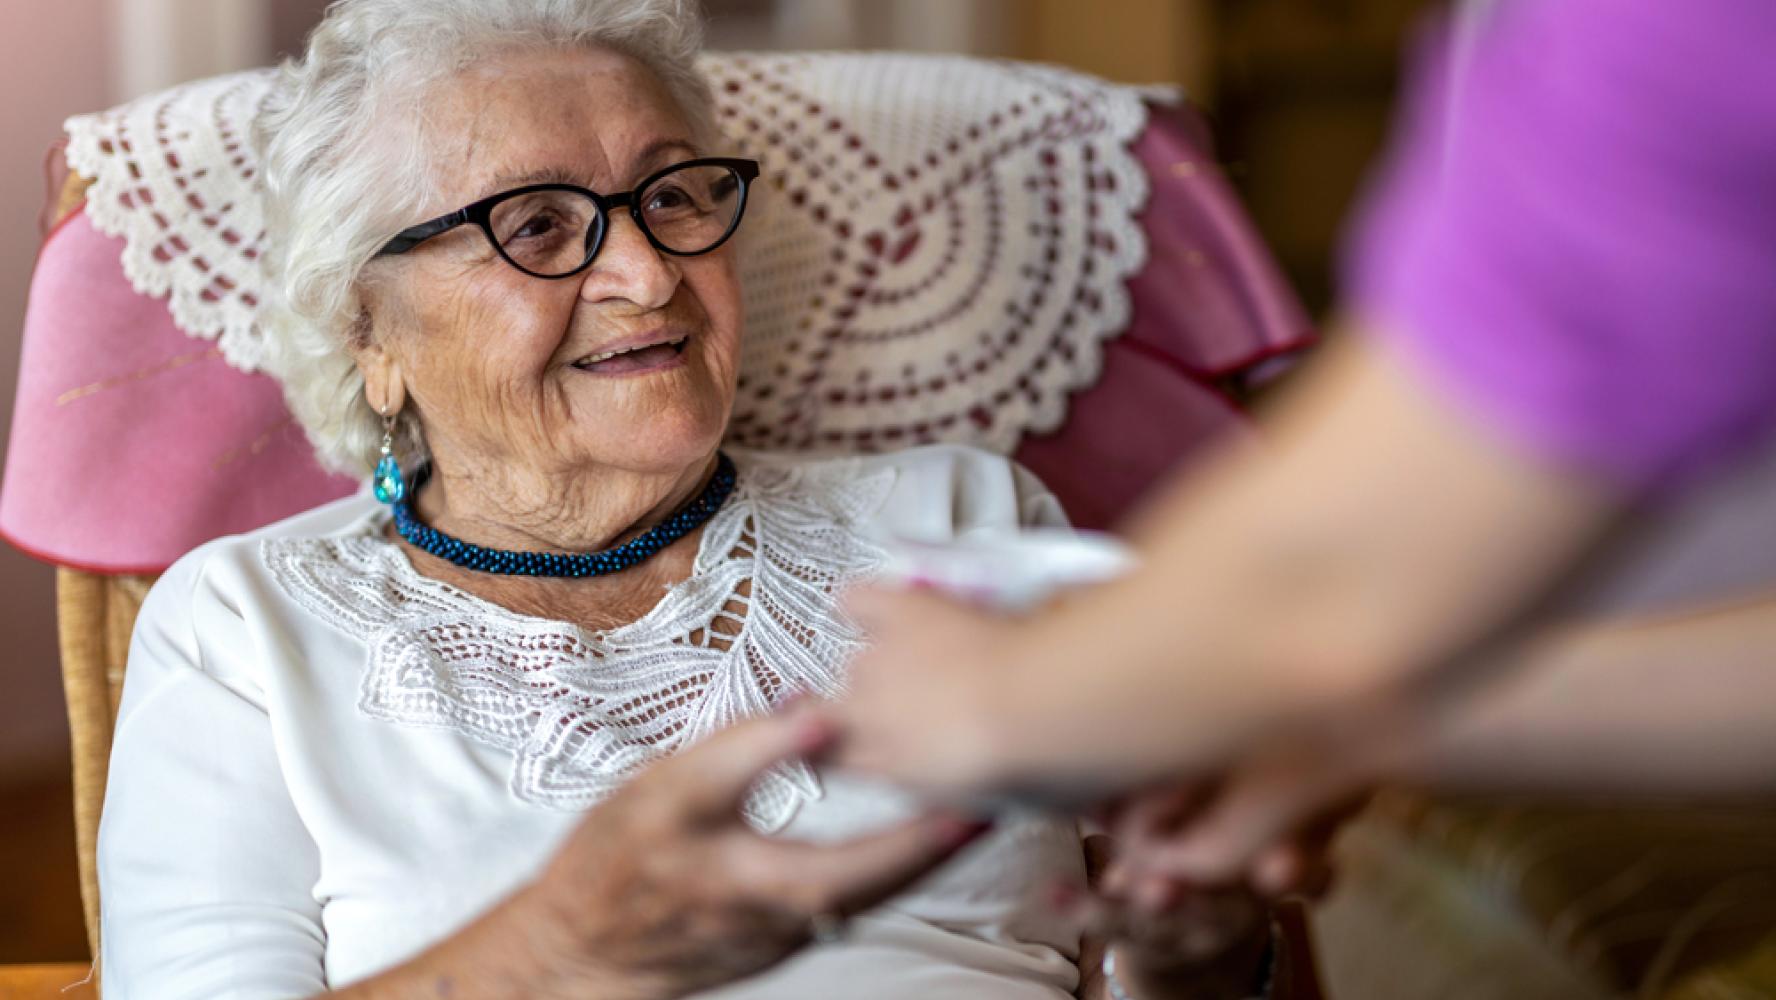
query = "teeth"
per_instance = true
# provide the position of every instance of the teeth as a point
(596, 358)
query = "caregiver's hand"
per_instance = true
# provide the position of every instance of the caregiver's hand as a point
(965, 705)
(1199, 941)
(925, 704)
(663, 890)
(1268, 823)
(1173, 838)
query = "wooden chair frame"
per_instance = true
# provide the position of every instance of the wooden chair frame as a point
(94, 615)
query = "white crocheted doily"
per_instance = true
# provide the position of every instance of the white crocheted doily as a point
(939, 251)
(175, 175)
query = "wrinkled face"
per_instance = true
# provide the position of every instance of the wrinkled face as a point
(504, 367)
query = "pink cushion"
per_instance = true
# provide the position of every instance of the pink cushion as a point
(133, 443)
(1209, 303)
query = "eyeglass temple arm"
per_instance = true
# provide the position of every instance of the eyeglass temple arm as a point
(413, 236)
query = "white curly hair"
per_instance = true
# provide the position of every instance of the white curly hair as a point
(339, 180)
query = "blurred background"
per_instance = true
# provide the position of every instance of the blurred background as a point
(1299, 93)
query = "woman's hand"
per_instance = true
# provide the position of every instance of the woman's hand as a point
(663, 890)
(1200, 929)
(666, 889)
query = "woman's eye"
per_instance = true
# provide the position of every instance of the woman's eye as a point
(667, 200)
(538, 225)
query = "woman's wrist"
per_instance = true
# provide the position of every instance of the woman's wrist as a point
(549, 929)
(516, 951)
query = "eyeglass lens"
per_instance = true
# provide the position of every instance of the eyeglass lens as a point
(553, 232)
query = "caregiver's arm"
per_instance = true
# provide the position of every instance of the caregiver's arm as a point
(1677, 705)
(1552, 279)
(1379, 533)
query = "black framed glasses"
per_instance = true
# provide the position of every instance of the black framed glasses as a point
(554, 230)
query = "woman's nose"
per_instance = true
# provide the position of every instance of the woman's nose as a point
(628, 267)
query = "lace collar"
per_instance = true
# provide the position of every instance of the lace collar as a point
(581, 711)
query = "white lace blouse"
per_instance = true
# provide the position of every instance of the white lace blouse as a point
(324, 762)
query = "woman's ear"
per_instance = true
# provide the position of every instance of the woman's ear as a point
(384, 318)
(384, 388)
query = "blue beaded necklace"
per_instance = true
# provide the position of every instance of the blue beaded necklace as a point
(470, 556)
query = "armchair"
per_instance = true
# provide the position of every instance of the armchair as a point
(948, 249)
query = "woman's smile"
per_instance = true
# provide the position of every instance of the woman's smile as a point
(656, 352)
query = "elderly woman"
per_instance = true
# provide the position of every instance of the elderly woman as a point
(401, 748)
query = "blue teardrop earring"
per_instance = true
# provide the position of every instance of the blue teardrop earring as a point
(389, 486)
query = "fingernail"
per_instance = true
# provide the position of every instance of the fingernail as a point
(1276, 875)
(1152, 896)
(802, 703)
(1115, 879)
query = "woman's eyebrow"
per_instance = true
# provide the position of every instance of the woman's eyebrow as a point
(542, 175)
(652, 156)
(655, 154)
